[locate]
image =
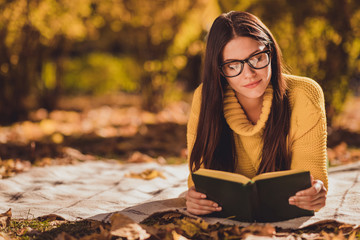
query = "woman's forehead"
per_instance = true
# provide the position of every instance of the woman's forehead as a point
(241, 48)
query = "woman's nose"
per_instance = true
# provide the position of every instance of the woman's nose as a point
(248, 71)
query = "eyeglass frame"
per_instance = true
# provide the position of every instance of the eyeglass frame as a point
(268, 52)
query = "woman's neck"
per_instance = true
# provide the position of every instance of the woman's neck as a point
(252, 107)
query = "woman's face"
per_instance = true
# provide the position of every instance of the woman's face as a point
(251, 83)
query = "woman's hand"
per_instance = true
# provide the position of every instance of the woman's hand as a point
(198, 205)
(312, 198)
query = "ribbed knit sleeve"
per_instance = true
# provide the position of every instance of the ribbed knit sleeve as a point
(192, 125)
(308, 134)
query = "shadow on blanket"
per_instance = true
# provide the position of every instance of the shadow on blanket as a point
(342, 204)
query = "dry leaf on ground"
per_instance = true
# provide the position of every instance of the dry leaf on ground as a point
(5, 218)
(342, 154)
(76, 154)
(138, 157)
(267, 230)
(176, 236)
(123, 226)
(64, 236)
(190, 227)
(4, 236)
(10, 167)
(146, 174)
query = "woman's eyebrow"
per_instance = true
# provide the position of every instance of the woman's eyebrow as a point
(251, 54)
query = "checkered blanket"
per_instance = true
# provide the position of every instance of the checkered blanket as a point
(99, 188)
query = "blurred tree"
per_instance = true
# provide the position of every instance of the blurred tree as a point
(319, 39)
(161, 35)
(37, 37)
(33, 33)
(148, 46)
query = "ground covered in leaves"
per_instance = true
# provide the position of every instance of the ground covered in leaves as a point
(169, 225)
(86, 129)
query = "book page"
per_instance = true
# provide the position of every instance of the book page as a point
(275, 174)
(233, 177)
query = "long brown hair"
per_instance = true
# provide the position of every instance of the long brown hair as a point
(214, 146)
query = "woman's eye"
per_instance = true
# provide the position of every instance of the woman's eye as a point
(233, 66)
(256, 59)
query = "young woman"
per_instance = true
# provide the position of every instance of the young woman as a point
(249, 117)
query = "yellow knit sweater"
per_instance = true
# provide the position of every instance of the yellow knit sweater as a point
(307, 135)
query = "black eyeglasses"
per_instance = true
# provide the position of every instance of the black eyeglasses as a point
(235, 67)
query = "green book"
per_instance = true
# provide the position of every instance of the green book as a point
(264, 198)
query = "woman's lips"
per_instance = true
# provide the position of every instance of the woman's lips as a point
(252, 84)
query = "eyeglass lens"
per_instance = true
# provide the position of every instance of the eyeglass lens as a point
(257, 61)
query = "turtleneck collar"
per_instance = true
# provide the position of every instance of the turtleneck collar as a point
(236, 117)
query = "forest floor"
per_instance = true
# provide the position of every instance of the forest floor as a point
(114, 127)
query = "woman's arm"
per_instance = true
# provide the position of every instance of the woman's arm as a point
(308, 143)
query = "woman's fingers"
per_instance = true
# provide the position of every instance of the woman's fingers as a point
(309, 202)
(200, 209)
(197, 204)
(312, 198)
(313, 190)
(192, 193)
(203, 202)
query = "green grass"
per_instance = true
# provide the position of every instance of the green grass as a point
(27, 229)
(23, 229)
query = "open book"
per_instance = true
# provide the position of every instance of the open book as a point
(261, 199)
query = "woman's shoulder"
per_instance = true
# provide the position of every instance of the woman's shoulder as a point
(303, 87)
(307, 104)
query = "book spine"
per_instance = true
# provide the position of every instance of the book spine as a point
(255, 203)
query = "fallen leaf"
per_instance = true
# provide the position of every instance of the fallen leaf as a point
(5, 218)
(123, 226)
(333, 236)
(21, 166)
(46, 161)
(4, 236)
(260, 230)
(76, 154)
(192, 226)
(352, 236)
(146, 174)
(28, 231)
(155, 231)
(346, 228)
(64, 236)
(171, 215)
(138, 157)
(177, 236)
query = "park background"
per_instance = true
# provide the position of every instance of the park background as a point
(114, 78)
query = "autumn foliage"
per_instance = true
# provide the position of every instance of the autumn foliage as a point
(51, 48)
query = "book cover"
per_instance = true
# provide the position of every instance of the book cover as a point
(261, 199)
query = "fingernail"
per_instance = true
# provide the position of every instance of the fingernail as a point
(203, 196)
(218, 209)
(215, 205)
